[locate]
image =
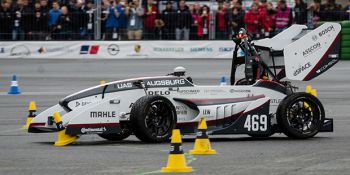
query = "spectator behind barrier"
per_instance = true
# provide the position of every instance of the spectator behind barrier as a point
(220, 29)
(253, 20)
(64, 25)
(151, 12)
(203, 23)
(269, 20)
(6, 21)
(300, 11)
(112, 20)
(284, 17)
(183, 21)
(53, 15)
(195, 11)
(168, 16)
(123, 19)
(135, 23)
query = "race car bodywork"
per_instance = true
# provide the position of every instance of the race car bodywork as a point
(150, 107)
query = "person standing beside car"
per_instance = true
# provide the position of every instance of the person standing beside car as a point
(135, 23)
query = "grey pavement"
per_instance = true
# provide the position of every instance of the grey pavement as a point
(46, 81)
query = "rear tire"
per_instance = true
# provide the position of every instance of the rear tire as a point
(153, 118)
(300, 115)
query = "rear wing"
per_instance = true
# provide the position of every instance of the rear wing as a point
(314, 53)
(303, 54)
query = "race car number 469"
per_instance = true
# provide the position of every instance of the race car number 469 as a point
(256, 123)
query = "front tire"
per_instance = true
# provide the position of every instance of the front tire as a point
(153, 118)
(300, 115)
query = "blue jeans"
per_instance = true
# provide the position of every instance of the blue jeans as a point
(17, 34)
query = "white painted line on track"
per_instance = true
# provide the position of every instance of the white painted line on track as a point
(35, 93)
(11, 130)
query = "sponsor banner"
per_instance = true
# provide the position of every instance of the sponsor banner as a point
(116, 49)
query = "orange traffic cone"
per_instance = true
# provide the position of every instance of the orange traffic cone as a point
(202, 143)
(176, 159)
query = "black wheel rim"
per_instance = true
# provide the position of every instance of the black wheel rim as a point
(159, 119)
(304, 116)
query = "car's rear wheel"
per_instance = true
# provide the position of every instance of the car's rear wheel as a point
(300, 115)
(125, 133)
(153, 118)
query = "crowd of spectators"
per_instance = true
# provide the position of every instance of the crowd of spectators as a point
(135, 19)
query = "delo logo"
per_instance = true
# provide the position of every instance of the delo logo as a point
(328, 29)
(158, 92)
(302, 68)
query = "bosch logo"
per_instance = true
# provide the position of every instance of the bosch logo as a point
(325, 31)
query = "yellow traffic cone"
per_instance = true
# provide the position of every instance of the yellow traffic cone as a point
(202, 143)
(314, 92)
(176, 159)
(63, 139)
(308, 89)
(102, 82)
(32, 110)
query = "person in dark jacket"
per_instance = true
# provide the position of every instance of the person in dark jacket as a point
(39, 23)
(234, 21)
(79, 18)
(89, 12)
(18, 14)
(331, 10)
(64, 25)
(183, 21)
(5, 21)
(168, 15)
(300, 10)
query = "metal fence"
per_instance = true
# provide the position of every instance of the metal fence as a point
(133, 21)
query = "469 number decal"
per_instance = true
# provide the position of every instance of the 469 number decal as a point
(256, 123)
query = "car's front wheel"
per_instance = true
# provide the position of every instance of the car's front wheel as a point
(153, 118)
(300, 115)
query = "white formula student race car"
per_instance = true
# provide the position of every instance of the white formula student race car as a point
(259, 105)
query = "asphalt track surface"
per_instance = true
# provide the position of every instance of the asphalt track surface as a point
(46, 81)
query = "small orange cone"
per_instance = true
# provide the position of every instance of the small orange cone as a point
(202, 143)
(32, 110)
(176, 160)
(63, 139)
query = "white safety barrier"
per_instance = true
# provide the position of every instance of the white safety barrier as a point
(116, 49)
